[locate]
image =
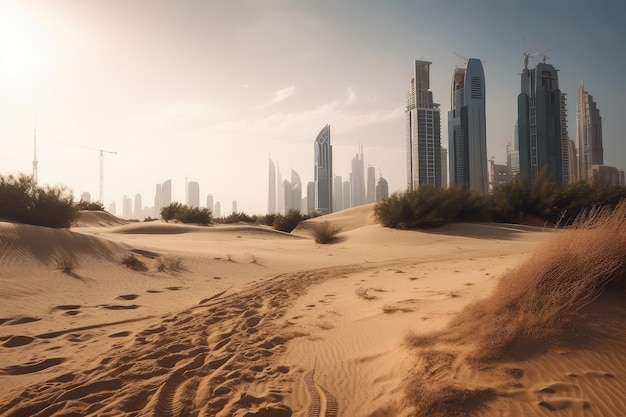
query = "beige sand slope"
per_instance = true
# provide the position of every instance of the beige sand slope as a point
(254, 322)
(87, 218)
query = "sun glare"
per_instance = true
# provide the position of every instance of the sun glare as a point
(28, 54)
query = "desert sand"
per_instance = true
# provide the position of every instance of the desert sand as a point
(256, 322)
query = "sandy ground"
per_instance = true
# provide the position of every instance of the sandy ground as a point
(255, 322)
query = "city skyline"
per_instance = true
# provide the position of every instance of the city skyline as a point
(170, 88)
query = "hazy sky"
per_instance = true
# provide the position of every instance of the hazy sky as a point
(211, 89)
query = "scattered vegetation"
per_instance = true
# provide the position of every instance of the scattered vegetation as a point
(238, 217)
(90, 205)
(289, 221)
(514, 202)
(65, 262)
(166, 263)
(429, 207)
(23, 201)
(323, 232)
(185, 214)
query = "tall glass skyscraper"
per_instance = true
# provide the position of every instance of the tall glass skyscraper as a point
(588, 133)
(323, 172)
(539, 122)
(467, 130)
(423, 131)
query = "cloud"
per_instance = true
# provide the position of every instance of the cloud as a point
(351, 96)
(281, 95)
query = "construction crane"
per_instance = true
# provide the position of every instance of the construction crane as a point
(534, 52)
(461, 57)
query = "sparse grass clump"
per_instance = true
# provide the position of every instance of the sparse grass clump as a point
(132, 262)
(166, 263)
(324, 232)
(65, 262)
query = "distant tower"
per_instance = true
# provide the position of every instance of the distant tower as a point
(295, 192)
(371, 184)
(138, 207)
(338, 193)
(157, 201)
(357, 180)
(566, 168)
(218, 210)
(323, 172)
(382, 189)
(588, 133)
(280, 193)
(166, 193)
(467, 129)
(423, 131)
(86, 197)
(127, 207)
(539, 122)
(209, 202)
(193, 194)
(113, 208)
(35, 159)
(271, 189)
(310, 197)
(234, 206)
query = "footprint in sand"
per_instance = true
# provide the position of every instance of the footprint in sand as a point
(127, 297)
(16, 341)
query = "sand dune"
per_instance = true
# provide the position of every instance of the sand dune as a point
(87, 218)
(256, 322)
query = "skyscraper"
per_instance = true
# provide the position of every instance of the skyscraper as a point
(271, 189)
(371, 184)
(293, 192)
(323, 172)
(138, 213)
(217, 212)
(209, 202)
(588, 133)
(539, 122)
(193, 194)
(338, 193)
(467, 130)
(423, 131)
(382, 189)
(127, 207)
(280, 193)
(166, 193)
(357, 180)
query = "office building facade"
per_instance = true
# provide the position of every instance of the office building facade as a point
(323, 172)
(467, 130)
(423, 131)
(588, 134)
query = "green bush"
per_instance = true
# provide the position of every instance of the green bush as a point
(21, 200)
(90, 205)
(238, 217)
(194, 215)
(185, 214)
(430, 207)
(289, 221)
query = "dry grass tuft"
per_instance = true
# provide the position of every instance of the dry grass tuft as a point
(168, 263)
(323, 232)
(65, 262)
(132, 262)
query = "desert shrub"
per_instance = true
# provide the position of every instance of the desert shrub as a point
(166, 263)
(289, 221)
(238, 217)
(267, 219)
(429, 207)
(21, 200)
(90, 205)
(323, 232)
(197, 215)
(169, 212)
(65, 262)
(131, 261)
